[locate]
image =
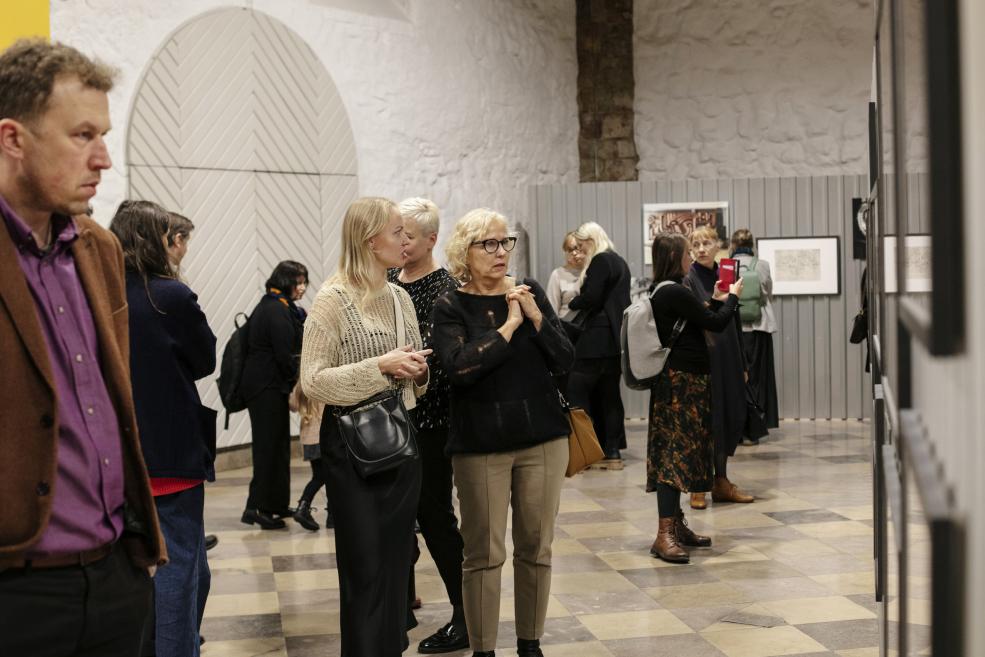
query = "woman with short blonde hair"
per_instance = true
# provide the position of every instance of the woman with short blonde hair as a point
(728, 386)
(501, 343)
(350, 354)
(594, 381)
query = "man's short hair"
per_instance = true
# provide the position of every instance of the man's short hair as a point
(29, 69)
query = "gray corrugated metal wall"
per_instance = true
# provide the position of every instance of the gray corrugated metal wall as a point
(819, 374)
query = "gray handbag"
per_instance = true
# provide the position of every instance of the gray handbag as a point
(378, 432)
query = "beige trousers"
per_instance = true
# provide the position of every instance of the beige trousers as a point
(530, 481)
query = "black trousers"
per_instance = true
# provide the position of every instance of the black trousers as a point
(270, 423)
(374, 523)
(435, 513)
(593, 384)
(97, 610)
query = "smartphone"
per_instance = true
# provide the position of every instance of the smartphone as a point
(728, 273)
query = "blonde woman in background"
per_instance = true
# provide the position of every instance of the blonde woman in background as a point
(350, 354)
(564, 282)
(728, 371)
(500, 343)
(594, 381)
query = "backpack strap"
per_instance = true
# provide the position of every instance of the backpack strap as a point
(678, 325)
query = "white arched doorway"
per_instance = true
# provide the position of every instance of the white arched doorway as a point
(237, 125)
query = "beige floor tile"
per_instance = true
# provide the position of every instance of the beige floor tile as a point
(710, 594)
(732, 555)
(308, 623)
(847, 583)
(859, 652)
(273, 647)
(738, 520)
(567, 546)
(305, 544)
(785, 503)
(634, 624)
(805, 547)
(587, 649)
(307, 580)
(829, 530)
(601, 529)
(863, 512)
(579, 505)
(763, 642)
(817, 610)
(632, 560)
(582, 583)
(243, 564)
(242, 604)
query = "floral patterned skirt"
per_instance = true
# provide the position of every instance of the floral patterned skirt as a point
(679, 443)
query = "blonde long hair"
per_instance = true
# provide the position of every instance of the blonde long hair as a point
(357, 269)
(600, 239)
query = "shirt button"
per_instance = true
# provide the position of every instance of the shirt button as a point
(42, 488)
(78, 358)
(61, 309)
(47, 421)
(105, 461)
(90, 410)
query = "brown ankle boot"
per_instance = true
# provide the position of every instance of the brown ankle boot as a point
(666, 546)
(725, 491)
(698, 501)
(687, 537)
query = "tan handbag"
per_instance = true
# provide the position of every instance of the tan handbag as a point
(583, 444)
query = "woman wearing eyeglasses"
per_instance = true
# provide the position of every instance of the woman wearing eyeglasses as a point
(564, 282)
(500, 343)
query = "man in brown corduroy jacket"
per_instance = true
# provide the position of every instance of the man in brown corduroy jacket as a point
(78, 529)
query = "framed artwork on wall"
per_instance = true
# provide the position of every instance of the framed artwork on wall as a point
(929, 194)
(802, 265)
(681, 218)
(916, 258)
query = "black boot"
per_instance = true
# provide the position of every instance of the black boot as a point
(528, 648)
(262, 518)
(302, 516)
(329, 520)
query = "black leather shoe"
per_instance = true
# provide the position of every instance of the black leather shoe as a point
(528, 648)
(262, 518)
(448, 639)
(211, 540)
(329, 520)
(302, 516)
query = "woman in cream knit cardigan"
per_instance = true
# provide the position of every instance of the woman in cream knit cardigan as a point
(350, 354)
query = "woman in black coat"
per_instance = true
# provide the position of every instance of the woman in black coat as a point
(270, 371)
(171, 346)
(594, 381)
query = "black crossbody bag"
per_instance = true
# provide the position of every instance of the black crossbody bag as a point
(378, 432)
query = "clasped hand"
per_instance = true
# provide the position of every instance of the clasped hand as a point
(522, 304)
(405, 363)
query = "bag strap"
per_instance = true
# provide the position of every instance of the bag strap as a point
(678, 325)
(398, 317)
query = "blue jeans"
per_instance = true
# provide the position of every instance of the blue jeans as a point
(182, 586)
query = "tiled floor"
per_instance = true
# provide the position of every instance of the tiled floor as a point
(790, 574)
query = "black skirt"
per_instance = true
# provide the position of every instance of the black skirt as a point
(762, 374)
(374, 530)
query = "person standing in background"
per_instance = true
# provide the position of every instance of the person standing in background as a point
(757, 338)
(269, 374)
(593, 383)
(564, 282)
(728, 371)
(425, 281)
(171, 346)
(79, 531)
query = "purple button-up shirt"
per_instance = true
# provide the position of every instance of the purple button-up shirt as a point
(87, 508)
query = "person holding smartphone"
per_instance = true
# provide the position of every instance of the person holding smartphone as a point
(728, 370)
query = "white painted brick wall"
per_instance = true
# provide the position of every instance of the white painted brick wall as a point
(749, 88)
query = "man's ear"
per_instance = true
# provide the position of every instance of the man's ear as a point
(12, 138)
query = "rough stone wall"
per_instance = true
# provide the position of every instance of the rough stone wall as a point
(749, 88)
(606, 142)
(468, 103)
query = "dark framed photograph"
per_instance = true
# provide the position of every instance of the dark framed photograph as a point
(927, 127)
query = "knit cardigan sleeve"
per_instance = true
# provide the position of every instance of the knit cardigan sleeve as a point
(343, 343)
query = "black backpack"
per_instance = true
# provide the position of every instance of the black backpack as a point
(231, 368)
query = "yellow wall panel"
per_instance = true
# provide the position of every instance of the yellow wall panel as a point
(22, 18)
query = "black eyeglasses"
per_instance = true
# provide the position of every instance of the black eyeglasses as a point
(492, 246)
